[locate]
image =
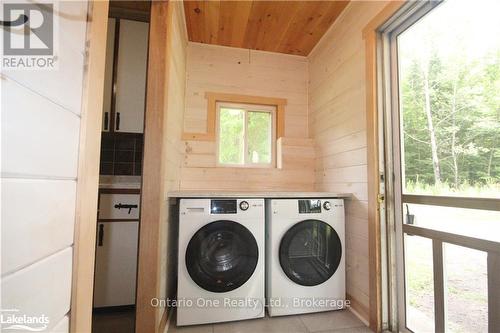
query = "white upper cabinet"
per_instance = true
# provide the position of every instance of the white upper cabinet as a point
(108, 75)
(125, 76)
(131, 76)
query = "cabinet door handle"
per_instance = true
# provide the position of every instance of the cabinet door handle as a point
(106, 120)
(126, 206)
(118, 121)
(101, 234)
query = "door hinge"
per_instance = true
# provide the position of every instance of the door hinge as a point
(380, 198)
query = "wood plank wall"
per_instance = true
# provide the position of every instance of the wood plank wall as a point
(173, 153)
(240, 71)
(157, 251)
(337, 123)
(40, 134)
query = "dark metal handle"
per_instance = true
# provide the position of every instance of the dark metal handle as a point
(101, 234)
(125, 206)
(106, 120)
(118, 121)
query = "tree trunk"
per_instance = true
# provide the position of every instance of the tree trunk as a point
(454, 134)
(492, 152)
(430, 126)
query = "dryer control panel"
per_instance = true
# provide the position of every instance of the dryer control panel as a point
(315, 208)
(223, 206)
(309, 206)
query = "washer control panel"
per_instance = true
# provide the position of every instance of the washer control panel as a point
(227, 206)
(244, 205)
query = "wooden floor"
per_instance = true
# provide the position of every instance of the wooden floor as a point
(324, 322)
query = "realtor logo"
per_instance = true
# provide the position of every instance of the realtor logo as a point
(28, 29)
(28, 36)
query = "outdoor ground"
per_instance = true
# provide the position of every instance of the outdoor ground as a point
(465, 269)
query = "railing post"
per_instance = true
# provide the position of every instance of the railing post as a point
(439, 284)
(493, 292)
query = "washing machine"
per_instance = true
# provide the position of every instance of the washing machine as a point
(221, 260)
(305, 255)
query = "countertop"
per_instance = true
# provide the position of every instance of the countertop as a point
(251, 194)
(120, 182)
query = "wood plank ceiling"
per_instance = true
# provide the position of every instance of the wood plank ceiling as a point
(292, 27)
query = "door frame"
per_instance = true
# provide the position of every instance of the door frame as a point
(153, 190)
(384, 298)
(148, 318)
(370, 36)
(388, 90)
(389, 111)
(82, 289)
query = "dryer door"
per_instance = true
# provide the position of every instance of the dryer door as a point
(222, 256)
(310, 252)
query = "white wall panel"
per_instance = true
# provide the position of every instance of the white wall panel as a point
(39, 138)
(37, 220)
(41, 288)
(40, 129)
(63, 85)
(62, 326)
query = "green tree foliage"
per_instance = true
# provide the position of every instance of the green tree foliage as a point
(259, 137)
(465, 108)
(232, 136)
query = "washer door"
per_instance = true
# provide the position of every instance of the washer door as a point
(222, 256)
(310, 252)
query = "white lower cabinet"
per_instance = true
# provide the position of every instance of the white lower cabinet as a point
(116, 263)
(119, 206)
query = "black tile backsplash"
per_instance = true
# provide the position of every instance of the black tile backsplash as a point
(106, 168)
(124, 155)
(107, 156)
(126, 142)
(121, 154)
(121, 169)
(138, 168)
(107, 141)
(138, 156)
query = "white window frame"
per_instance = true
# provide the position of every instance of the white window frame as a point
(247, 108)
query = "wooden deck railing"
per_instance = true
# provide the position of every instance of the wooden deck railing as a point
(438, 238)
(459, 202)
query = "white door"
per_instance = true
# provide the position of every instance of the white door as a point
(131, 76)
(116, 264)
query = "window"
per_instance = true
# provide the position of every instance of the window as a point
(245, 135)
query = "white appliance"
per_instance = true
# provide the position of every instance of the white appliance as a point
(221, 260)
(305, 255)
